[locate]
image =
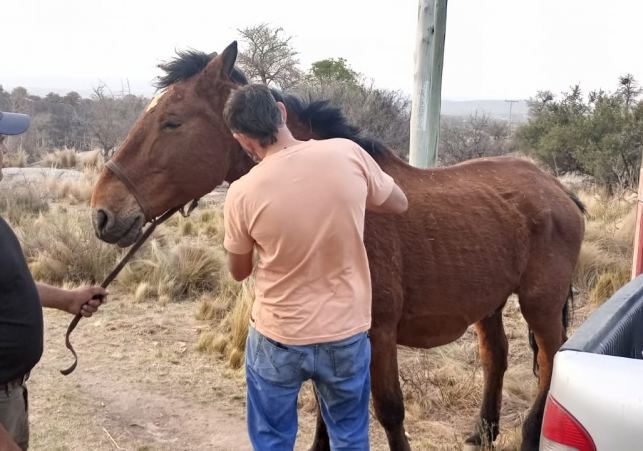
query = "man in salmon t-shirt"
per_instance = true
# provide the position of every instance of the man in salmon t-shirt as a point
(302, 207)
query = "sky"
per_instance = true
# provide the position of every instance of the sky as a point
(495, 49)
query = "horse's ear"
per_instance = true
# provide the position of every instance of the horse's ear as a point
(229, 57)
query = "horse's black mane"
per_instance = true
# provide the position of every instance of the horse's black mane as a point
(188, 63)
(328, 121)
(324, 118)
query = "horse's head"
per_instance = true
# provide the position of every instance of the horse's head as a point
(178, 150)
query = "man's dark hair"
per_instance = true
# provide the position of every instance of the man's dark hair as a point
(252, 111)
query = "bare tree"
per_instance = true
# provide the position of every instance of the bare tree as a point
(380, 113)
(475, 137)
(269, 57)
(112, 116)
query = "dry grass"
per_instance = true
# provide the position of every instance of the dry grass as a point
(70, 159)
(61, 159)
(204, 223)
(21, 200)
(60, 247)
(92, 160)
(442, 379)
(17, 159)
(172, 272)
(606, 256)
(72, 191)
(608, 283)
(232, 310)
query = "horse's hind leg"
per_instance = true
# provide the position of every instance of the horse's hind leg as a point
(543, 315)
(321, 441)
(493, 355)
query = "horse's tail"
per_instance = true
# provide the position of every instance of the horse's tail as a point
(578, 202)
(566, 314)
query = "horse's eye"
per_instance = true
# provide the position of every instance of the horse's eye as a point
(170, 125)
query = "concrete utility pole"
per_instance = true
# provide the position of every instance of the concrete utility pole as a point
(427, 90)
(511, 104)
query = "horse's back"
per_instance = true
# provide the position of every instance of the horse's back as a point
(464, 244)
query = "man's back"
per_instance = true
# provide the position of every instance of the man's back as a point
(304, 207)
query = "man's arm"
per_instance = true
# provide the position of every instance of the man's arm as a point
(80, 300)
(6, 442)
(237, 241)
(384, 195)
(240, 265)
(396, 203)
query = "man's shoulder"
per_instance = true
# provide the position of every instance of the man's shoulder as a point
(343, 147)
(337, 142)
(240, 187)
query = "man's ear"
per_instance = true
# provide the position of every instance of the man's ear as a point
(284, 111)
(243, 140)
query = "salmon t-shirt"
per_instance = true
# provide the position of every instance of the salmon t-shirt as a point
(303, 209)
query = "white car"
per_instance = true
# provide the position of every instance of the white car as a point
(595, 402)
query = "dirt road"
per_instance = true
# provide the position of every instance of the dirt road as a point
(139, 385)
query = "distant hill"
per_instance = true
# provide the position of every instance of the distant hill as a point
(498, 109)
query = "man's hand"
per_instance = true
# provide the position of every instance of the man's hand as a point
(6, 442)
(81, 300)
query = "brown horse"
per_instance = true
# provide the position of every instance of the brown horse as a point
(473, 234)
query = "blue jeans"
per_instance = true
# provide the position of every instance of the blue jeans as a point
(341, 377)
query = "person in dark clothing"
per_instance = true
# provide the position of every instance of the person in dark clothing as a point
(21, 320)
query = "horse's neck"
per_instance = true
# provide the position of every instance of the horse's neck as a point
(240, 166)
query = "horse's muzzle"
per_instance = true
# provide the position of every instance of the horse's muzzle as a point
(117, 229)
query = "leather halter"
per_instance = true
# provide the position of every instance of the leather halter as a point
(138, 195)
(118, 172)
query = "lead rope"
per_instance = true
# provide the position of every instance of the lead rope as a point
(112, 275)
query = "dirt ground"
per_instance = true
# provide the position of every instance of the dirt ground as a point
(140, 385)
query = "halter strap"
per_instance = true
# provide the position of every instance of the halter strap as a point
(148, 232)
(138, 195)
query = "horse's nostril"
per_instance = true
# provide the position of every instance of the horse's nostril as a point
(102, 220)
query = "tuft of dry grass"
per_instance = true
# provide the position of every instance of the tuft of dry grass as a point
(21, 200)
(61, 159)
(206, 224)
(17, 159)
(608, 283)
(233, 304)
(176, 272)
(142, 292)
(62, 247)
(72, 191)
(92, 160)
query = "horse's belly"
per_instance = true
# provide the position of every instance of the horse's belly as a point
(430, 331)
